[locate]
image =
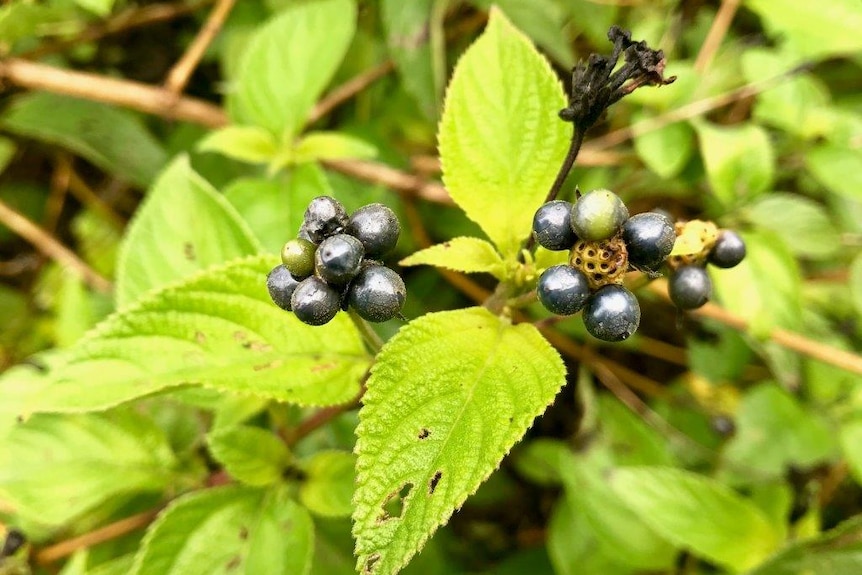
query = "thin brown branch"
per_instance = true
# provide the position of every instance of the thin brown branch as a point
(349, 89)
(391, 178)
(85, 194)
(716, 34)
(52, 248)
(179, 75)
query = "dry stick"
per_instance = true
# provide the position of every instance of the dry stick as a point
(119, 528)
(84, 194)
(391, 178)
(349, 89)
(717, 32)
(49, 246)
(179, 75)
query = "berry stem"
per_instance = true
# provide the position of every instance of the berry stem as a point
(574, 149)
(369, 336)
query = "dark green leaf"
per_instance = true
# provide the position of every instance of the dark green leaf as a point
(836, 552)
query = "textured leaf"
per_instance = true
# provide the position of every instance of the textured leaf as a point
(182, 227)
(327, 489)
(698, 513)
(448, 397)
(54, 468)
(461, 254)
(280, 80)
(331, 146)
(501, 142)
(244, 143)
(228, 530)
(251, 455)
(218, 329)
(836, 552)
(113, 139)
(803, 224)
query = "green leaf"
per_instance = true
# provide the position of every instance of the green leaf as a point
(739, 160)
(97, 7)
(856, 283)
(803, 224)
(7, 152)
(113, 139)
(228, 530)
(836, 552)
(182, 227)
(464, 254)
(500, 150)
(838, 168)
(327, 489)
(244, 143)
(448, 397)
(698, 513)
(667, 150)
(218, 329)
(288, 63)
(316, 146)
(251, 455)
(54, 468)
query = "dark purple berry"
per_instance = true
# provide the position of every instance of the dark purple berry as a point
(377, 293)
(377, 227)
(728, 251)
(281, 284)
(324, 217)
(598, 215)
(649, 239)
(612, 313)
(314, 302)
(689, 287)
(563, 290)
(552, 226)
(338, 258)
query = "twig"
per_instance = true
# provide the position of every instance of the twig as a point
(717, 32)
(391, 178)
(119, 528)
(84, 194)
(179, 75)
(323, 416)
(49, 246)
(349, 89)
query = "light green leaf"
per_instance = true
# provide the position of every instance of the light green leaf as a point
(838, 168)
(449, 395)
(244, 143)
(739, 160)
(851, 445)
(182, 227)
(541, 461)
(500, 150)
(667, 150)
(218, 329)
(17, 386)
(54, 468)
(113, 139)
(251, 455)
(464, 254)
(315, 146)
(856, 283)
(228, 530)
(327, 489)
(698, 513)
(121, 565)
(97, 7)
(7, 152)
(803, 224)
(280, 80)
(836, 552)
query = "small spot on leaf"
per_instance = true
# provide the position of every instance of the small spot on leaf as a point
(424, 433)
(434, 481)
(270, 365)
(200, 337)
(394, 504)
(243, 533)
(189, 251)
(234, 563)
(323, 367)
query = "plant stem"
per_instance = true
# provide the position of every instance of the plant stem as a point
(574, 148)
(372, 340)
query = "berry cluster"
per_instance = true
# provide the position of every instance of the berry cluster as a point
(331, 265)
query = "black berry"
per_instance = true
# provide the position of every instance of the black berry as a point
(649, 239)
(298, 257)
(552, 226)
(338, 258)
(563, 290)
(689, 287)
(377, 293)
(377, 227)
(324, 217)
(281, 284)
(314, 302)
(598, 215)
(612, 313)
(728, 251)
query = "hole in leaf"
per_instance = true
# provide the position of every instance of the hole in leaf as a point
(424, 433)
(370, 563)
(393, 506)
(434, 481)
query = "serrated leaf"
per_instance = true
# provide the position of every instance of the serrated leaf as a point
(279, 80)
(315, 146)
(501, 142)
(182, 227)
(251, 455)
(327, 489)
(448, 396)
(113, 139)
(228, 530)
(244, 143)
(54, 468)
(464, 254)
(803, 224)
(218, 329)
(698, 513)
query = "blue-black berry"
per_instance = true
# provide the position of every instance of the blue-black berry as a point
(338, 258)
(314, 302)
(298, 257)
(563, 290)
(689, 287)
(612, 313)
(377, 293)
(377, 227)
(649, 239)
(598, 215)
(324, 217)
(728, 251)
(281, 284)
(552, 226)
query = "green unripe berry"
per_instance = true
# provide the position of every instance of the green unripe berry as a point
(598, 215)
(298, 257)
